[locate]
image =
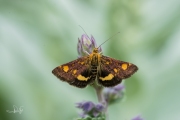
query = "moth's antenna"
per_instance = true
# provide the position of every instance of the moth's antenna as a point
(84, 31)
(109, 38)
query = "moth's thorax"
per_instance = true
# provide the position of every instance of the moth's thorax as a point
(95, 57)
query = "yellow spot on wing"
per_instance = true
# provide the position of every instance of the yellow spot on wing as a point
(115, 70)
(74, 71)
(82, 78)
(109, 77)
(107, 62)
(124, 66)
(65, 68)
(82, 63)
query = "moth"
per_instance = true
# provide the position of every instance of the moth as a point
(83, 71)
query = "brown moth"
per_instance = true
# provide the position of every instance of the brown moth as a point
(85, 70)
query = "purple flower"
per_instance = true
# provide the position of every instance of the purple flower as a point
(85, 106)
(119, 87)
(113, 93)
(99, 107)
(90, 109)
(137, 118)
(95, 113)
(86, 45)
(82, 115)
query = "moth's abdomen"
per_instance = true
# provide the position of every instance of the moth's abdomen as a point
(94, 72)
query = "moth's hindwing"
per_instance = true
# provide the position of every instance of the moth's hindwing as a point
(76, 72)
(112, 71)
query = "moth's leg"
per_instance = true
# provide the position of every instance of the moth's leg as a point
(101, 53)
(99, 68)
(87, 53)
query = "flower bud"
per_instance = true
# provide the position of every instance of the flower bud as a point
(86, 45)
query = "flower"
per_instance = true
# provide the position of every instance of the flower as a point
(90, 109)
(113, 93)
(86, 45)
(85, 106)
(98, 109)
(137, 118)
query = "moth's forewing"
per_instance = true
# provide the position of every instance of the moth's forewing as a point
(112, 71)
(76, 72)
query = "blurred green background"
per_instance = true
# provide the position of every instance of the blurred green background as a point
(38, 35)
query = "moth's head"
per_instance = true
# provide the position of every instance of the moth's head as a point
(96, 50)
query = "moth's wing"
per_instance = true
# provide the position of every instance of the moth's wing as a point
(76, 72)
(112, 71)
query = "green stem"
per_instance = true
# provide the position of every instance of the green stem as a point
(101, 99)
(100, 95)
